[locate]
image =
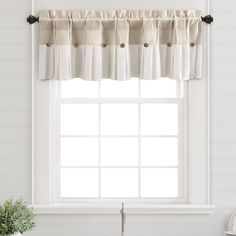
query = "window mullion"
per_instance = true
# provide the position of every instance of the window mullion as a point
(118, 136)
(139, 138)
(119, 100)
(177, 89)
(57, 138)
(99, 140)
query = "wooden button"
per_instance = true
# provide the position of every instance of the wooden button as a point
(49, 44)
(192, 44)
(169, 44)
(146, 45)
(76, 45)
(104, 45)
(122, 45)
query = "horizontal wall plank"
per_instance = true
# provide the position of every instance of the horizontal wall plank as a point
(224, 168)
(226, 200)
(223, 134)
(20, 150)
(15, 135)
(224, 118)
(12, 5)
(219, 41)
(226, 184)
(223, 151)
(13, 18)
(20, 37)
(223, 6)
(14, 193)
(15, 85)
(222, 85)
(222, 51)
(15, 53)
(224, 68)
(14, 174)
(13, 68)
(15, 101)
(8, 118)
(223, 101)
(134, 229)
(119, 5)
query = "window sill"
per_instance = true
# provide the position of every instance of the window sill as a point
(130, 209)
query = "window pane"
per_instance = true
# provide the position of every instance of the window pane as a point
(119, 119)
(159, 182)
(119, 151)
(79, 119)
(158, 88)
(118, 182)
(82, 182)
(79, 88)
(79, 151)
(159, 119)
(159, 151)
(119, 89)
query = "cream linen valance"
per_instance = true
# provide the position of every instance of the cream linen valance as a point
(119, 45)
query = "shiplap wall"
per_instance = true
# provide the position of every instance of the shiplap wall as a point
(15, 131)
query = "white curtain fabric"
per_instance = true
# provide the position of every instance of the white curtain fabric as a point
(119, 45)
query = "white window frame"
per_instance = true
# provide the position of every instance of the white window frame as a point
(198, 177)
(180, 100)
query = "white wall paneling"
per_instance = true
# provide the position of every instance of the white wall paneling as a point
(15, 122)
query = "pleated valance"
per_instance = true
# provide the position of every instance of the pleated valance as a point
(119, 45)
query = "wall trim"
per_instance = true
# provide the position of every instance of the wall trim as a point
(130, 209)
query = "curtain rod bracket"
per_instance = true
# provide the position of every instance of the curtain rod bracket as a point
(32, 19)
(207, 19)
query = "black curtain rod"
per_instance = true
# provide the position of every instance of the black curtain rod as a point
(32, 19)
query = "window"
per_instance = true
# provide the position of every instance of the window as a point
(137, 141)
(142, 142)
(119, 140)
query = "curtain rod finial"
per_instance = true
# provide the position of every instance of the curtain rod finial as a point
(207, 19)
(32, 19)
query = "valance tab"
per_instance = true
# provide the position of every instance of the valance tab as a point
(121, 44)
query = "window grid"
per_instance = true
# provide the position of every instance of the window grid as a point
(138, 101)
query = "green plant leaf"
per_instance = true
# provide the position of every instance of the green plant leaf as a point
(15, 216)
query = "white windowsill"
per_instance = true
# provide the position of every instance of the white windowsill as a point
(115, 209)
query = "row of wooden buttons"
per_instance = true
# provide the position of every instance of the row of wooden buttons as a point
(122, 45)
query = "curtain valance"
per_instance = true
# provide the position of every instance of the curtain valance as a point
(120, 44)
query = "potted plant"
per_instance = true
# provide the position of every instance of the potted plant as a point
(15, 217)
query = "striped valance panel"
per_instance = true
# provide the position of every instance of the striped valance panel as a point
(119, 45)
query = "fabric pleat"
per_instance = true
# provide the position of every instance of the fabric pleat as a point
(180, 62)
